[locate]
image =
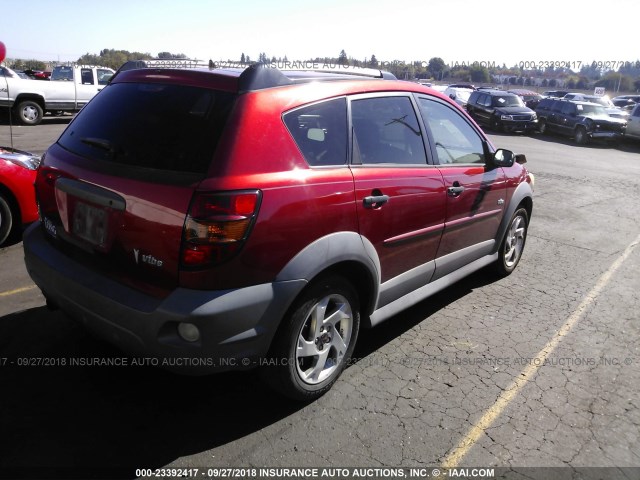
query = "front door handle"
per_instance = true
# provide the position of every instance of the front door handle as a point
(375, 201)
(455, 190)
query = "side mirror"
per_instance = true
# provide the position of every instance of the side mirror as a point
(452, 96)
(503, 158)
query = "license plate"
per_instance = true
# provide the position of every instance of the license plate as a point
(90, 223)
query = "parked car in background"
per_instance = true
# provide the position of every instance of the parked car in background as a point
(625, 104)
(161, 232)
(460, 95)
(581, 120)
(623, 100)
(554, 93)
(633, 124)
(529, 97)
(69, 89)
(602, 100)
(502, 111)
(17, 195)
(7, 72)
(468, 86)
(38, 74)
(439, 88)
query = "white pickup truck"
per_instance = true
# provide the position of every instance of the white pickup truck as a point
(68, 90)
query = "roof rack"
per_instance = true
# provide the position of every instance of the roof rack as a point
(258, 76)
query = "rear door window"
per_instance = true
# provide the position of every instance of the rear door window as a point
(386, 130)
(86, 76)
(568, 108)
(152, 126)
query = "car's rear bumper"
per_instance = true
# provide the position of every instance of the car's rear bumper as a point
(236, 326)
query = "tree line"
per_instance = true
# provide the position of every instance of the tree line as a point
(625, 78)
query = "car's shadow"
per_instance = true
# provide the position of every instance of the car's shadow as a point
(84, 418)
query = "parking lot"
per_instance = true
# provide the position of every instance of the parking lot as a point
(540, 369)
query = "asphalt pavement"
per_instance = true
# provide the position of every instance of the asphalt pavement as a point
(539, 369)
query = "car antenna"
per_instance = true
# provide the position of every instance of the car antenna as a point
(3, 54)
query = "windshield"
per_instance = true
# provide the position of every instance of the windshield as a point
(590, 110)
(507, 101)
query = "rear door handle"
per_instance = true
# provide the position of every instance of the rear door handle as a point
(375, 201)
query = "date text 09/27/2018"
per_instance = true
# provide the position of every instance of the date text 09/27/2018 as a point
(574, 65)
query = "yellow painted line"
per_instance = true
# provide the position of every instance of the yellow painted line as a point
(455, 456)
(17, 290)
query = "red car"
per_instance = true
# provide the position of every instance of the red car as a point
(38, 74)
(17, 195)
(235, 218)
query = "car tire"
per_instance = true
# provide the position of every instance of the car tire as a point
(29, 112)
(580, 136)
(542, 126)
(495, 124)
(307, 356)
(6, 220)
(512, 244)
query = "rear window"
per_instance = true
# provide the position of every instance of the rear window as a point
(154, 126)
(320, 131)
(62, 73)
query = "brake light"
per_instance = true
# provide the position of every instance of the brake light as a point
(217, 226)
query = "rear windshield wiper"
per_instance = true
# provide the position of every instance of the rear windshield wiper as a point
(103, 144)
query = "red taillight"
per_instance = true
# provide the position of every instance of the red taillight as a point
(217, 225)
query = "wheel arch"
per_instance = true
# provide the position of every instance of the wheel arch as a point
(347, 254)
(522, 197)
(39, 99)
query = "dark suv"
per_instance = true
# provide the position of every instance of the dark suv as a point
(501, 111)
(228, 219)
(581, 120)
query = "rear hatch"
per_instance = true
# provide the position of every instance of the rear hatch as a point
(114, 191)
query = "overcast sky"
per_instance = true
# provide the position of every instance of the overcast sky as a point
(455, 30)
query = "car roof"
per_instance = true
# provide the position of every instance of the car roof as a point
(582, 102)
(463, 89)
(499, 93)
(519, 91)
(306, 88)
